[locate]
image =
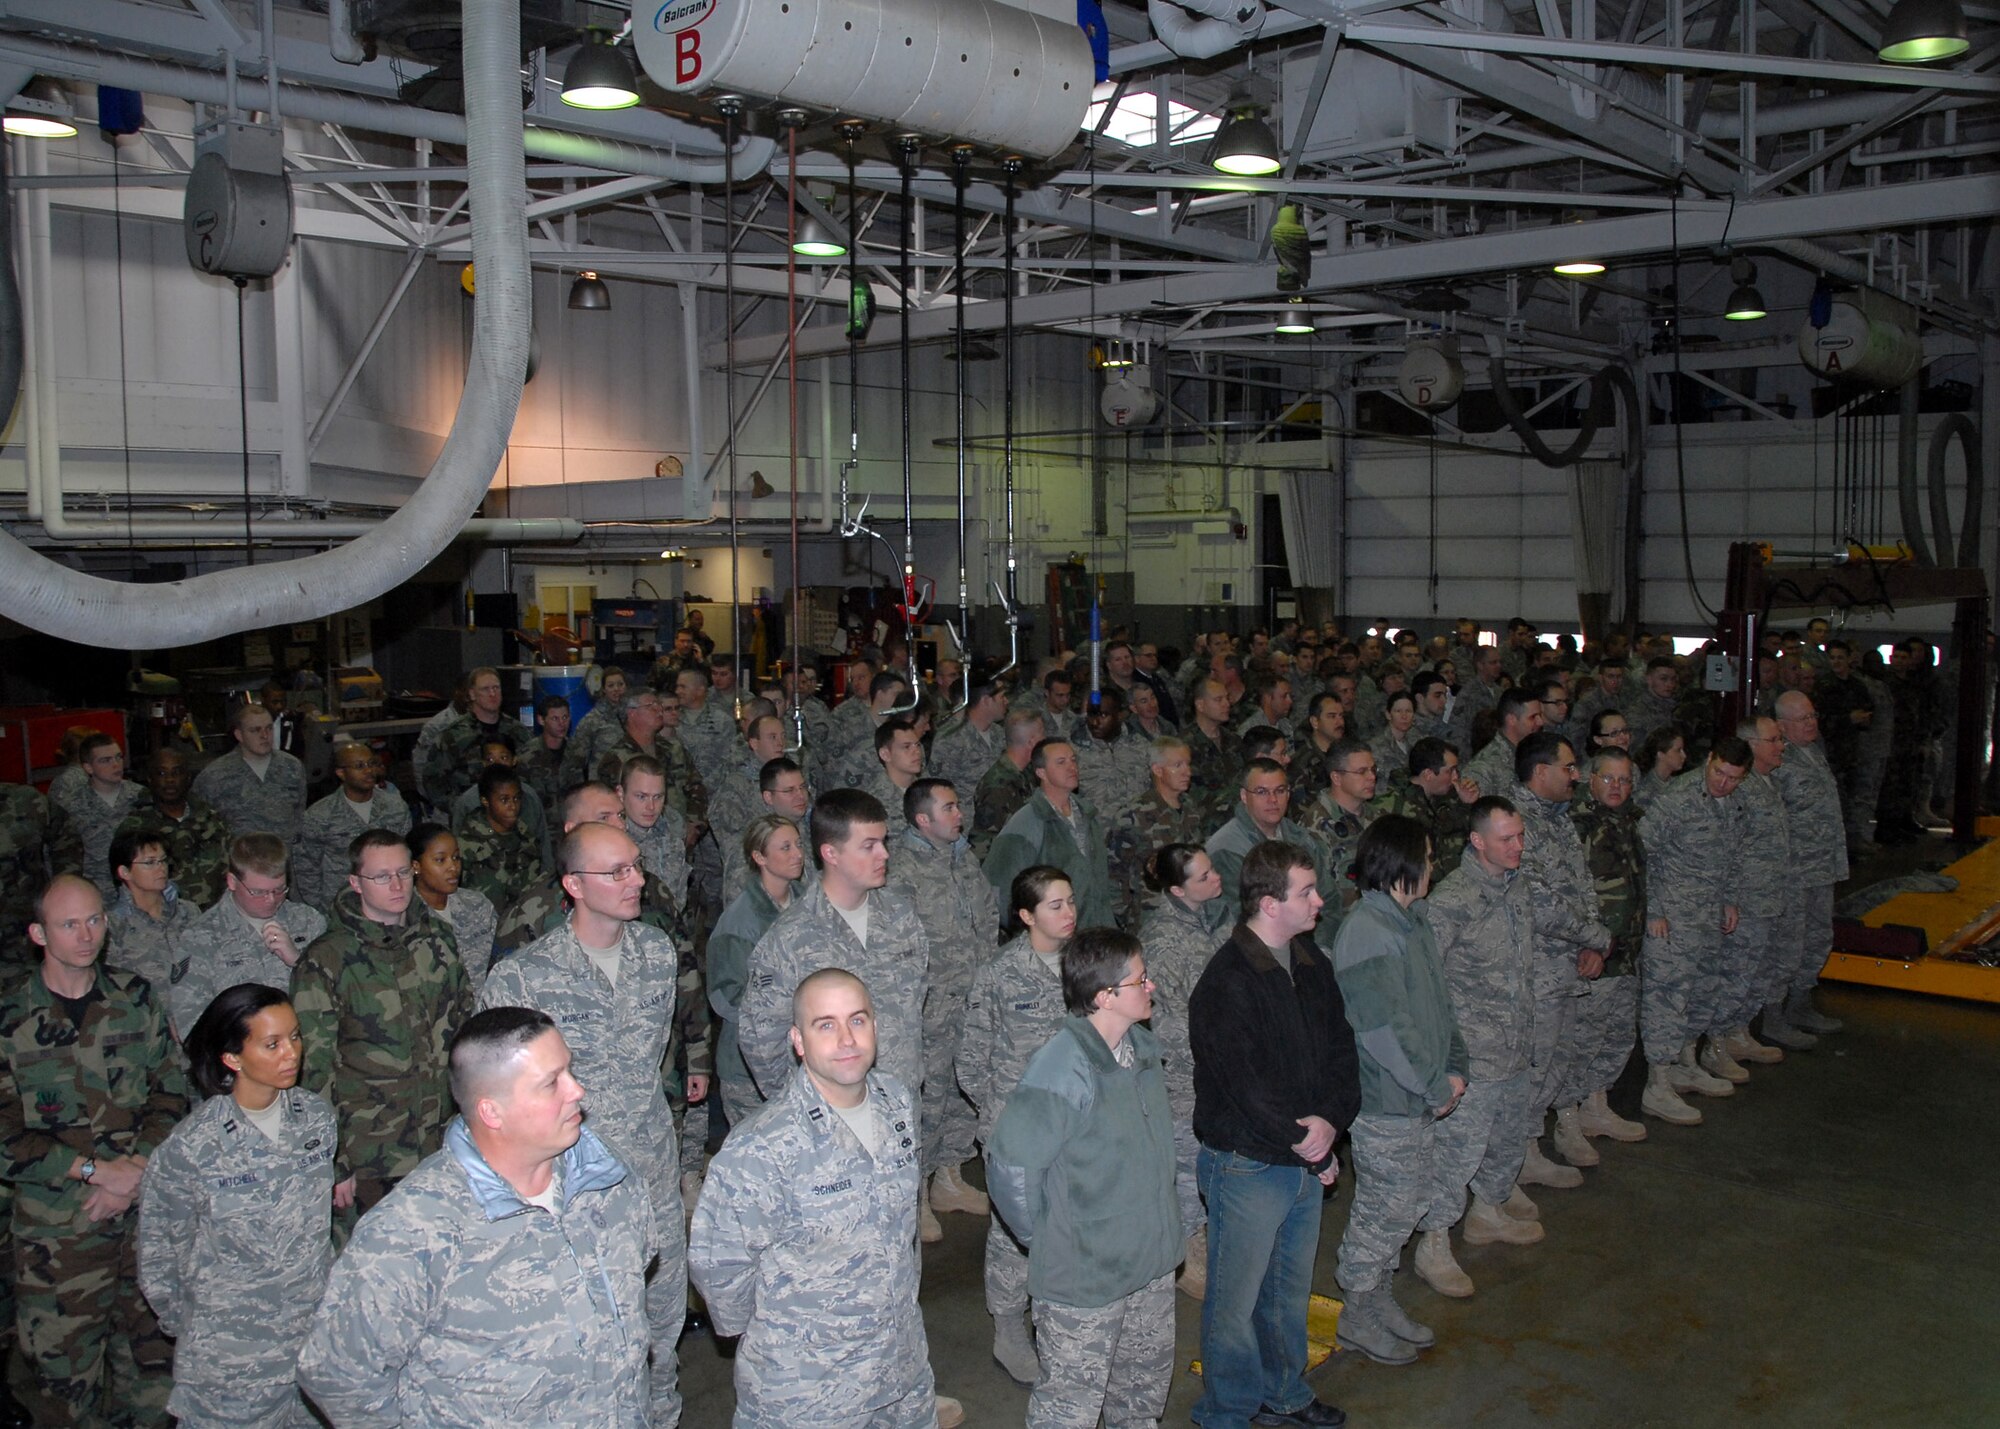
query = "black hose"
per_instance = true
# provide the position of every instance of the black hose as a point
(11, 358)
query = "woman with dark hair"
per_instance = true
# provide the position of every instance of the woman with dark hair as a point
(1015, 1005)
(1609, 729)
(775, 851)
(1660, 758)
(1183, 928)
(1392, 745)
(1082, 1169)
(434, 850)
(236, 1217)
(1413, 1071)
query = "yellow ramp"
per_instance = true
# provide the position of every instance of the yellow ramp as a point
(1963, 917)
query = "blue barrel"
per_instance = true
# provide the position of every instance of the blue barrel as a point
(568, 682)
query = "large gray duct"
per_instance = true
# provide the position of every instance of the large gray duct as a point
(46, 596)
(386, 117)
(1223, 25)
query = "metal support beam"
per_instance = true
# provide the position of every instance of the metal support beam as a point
(411, 266)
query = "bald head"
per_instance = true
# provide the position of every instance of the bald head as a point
(1794, 705)
(589, 845)
(825, 978)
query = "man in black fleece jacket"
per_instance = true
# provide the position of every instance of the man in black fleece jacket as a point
(1276, 1081)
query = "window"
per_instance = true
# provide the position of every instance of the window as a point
(1136, 120)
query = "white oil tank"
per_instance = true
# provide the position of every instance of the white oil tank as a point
(1864, 342)
(1431, 377)
(1128, 399)
(1014, 77)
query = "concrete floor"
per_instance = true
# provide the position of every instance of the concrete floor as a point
(1820, 1252)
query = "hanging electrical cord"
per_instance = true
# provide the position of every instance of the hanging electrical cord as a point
(961, 166)
(1433, 444)
(731, 107)
(792, 119)
(243, 413)
(851, 527)
(1680, 452)
(907, 145)
(1008, 598)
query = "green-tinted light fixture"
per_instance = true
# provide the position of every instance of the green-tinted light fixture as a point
(815, 242)
(600, 76)
(1245, 147)
(1295, 321)
(1746, 303)
(1919, 31)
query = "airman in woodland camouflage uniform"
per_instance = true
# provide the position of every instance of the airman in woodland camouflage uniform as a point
(932, 867)
(377, 1002)
(484, 1302)
(501, 863)
(1692, 834)
(455, 765)
(1215, 749)
(804, 1240)
(270, 802)
(255, 934)
(89, 1087)
(196, 837)
(24, 853)
(1608, 1014)
(1163, 815)
(1568, 931)
(235, 1244)
(609, 982)
(1432, 792)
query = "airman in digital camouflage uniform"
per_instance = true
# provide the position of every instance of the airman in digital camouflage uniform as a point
(148, 918)
(1819, 857)
(1014, 1006)
(1482, 918)
(932, 867)
(256, 787)
(379, 995)
(1163, 815)
(503, 1282)
(898, 764)
(1113, 769)
(610, 984)
(1570, 936)
(1692, 834)
(196, 837)
(90, 1086)
(735, 797)
(319, 862)
(804, 1240)
(236, 1221)
(967, 746)
(83, 820)
(1763, 890)
(597, 731)
(781, 789)
(1336, 818)
(255, 934)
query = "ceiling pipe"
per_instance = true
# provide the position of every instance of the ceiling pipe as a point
(1215, 27)
(1836, 111)
(88, 610)
(328, 106)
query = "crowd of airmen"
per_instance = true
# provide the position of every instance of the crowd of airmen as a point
(846, 935)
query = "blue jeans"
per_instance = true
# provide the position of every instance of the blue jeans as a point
(1263, 1236)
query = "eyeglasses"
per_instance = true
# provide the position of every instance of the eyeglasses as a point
(147, 863)
(248, 892)
(617, 875)
(1357, 772)
(1136, 982)
(1619, 783)
(394, 875)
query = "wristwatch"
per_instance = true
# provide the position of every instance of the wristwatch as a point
(87, 1170)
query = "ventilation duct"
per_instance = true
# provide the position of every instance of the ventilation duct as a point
(1203, 29)
(997, 75)
(88, 610)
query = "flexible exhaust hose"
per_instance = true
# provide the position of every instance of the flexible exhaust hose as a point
(1600, 398)
(89, 610)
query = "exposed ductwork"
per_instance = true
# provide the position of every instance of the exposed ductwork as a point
(89, 610)
(1203, 29)
(387, 117)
